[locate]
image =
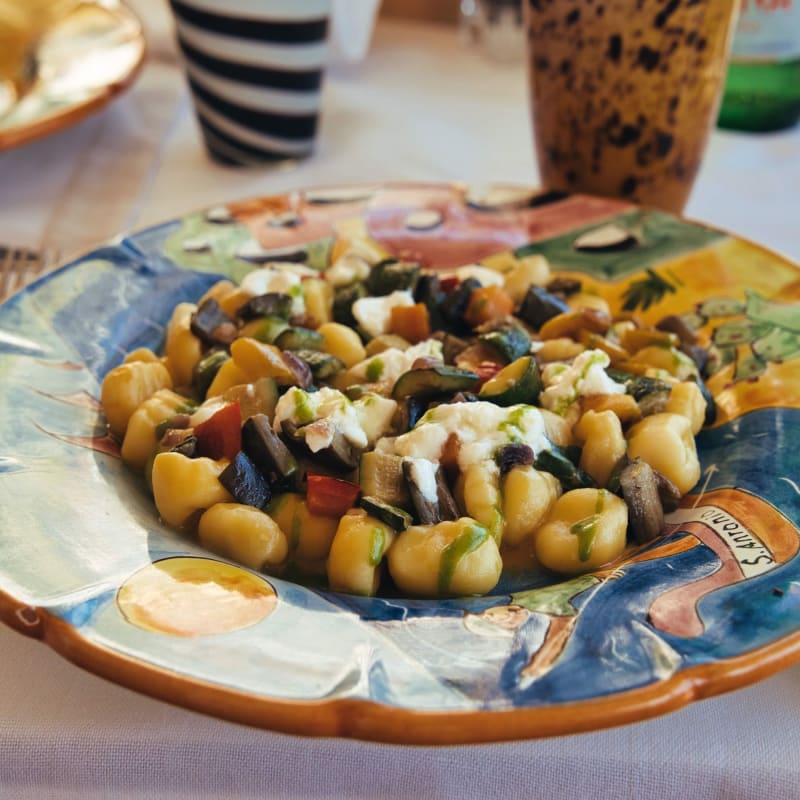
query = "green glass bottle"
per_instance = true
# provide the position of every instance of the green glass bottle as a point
(762, 90)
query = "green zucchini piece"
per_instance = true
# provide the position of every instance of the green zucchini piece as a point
(432, 381)
(556, 462)
(519, 382)
(509, 339)
(299, 339)
(394, 517)
(322, 365)
(343, 299)
(271, 304)
(637, 385)
(206, 370)
(264, 329)
(381, 476)
(390, 275)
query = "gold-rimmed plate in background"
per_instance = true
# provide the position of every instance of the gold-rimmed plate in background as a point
(87, 56)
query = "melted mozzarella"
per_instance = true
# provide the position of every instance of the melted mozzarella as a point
(481, 428)
(585, 376)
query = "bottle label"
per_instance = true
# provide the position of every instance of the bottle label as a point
(768, 30)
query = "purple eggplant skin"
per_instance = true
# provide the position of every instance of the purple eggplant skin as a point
(639, 486)
(212, 325)
(266, 449)
(243, 479)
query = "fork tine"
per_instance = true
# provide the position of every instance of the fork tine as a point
(20, 266)
(8, 271)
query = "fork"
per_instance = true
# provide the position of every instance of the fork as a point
(19, 266)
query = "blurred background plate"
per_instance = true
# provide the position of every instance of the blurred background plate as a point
(88, 54)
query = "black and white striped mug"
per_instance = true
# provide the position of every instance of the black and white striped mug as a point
(255, 70)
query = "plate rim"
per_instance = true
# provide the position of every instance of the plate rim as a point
(368, 720)
(70, 115)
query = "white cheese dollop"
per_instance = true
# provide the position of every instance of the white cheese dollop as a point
(276, 278)
(481, 428)
(388, 365)
(585, 376)
(349, 268)
(374, 314)
(322, 413)
(423, 473)
(375, 415)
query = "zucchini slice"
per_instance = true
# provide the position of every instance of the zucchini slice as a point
(271, 304)
(343, 299)
(519, 382)
(390, 275)
(206, 370)
(299, 339)
(264, 329)
(509, 339)
(322, 365)
(381, 476)
(396, 518)
(432, 381)
(556, 462)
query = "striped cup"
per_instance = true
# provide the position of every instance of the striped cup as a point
(255, 71)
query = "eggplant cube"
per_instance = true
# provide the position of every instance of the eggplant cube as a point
(243, 479)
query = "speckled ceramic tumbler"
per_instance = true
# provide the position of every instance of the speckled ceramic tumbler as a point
(624, 93)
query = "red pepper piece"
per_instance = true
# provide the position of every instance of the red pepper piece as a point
(220, 436)
(330, 497)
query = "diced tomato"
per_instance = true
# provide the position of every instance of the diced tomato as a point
(488, 303)
(486, 370)
(411, 322)
(220, 436)
(330, 497)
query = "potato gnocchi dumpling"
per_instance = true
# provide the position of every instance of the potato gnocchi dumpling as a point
(357, 552)
(585, 529)
(184, 486)
(243, 533)
(666, 443)
(451, 558)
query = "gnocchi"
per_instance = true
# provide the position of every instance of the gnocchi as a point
(585, 529)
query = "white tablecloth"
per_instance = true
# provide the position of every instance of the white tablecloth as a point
(419, 107)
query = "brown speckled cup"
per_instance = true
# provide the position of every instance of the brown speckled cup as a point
(624, 93)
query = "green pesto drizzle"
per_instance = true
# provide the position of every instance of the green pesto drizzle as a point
(301, 408)
(468, 540)
(511, 426)
(377, 544)
(586, 529)
(375, 369)
(562, 406)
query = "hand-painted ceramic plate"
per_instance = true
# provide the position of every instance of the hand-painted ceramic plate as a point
(710, 606)
(87, 58)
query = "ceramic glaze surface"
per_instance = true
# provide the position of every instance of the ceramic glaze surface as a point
(713, 603)
(89, 54)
